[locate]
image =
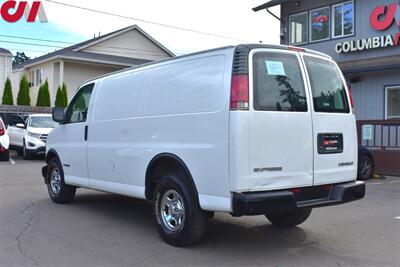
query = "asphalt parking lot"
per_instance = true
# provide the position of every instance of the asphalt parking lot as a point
(100, 229)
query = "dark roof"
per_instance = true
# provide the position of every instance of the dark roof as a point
(69, 52)
(270, 4)
(5, 51)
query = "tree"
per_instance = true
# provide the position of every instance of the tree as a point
(23, 98)
(43, 99)
(7, 94)
(60, 98)
(65, 94)
(20, 58)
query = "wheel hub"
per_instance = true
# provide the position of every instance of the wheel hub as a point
(55, 181)
(172, 210)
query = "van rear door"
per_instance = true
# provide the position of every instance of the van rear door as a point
(335, 136)
(281, 147)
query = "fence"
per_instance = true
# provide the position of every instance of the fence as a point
(24, 109)
(382, 138)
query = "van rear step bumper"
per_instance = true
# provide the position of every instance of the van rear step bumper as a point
(257, 203)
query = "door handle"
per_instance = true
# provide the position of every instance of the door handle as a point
(86, 132)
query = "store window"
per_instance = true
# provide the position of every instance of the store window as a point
(343, 19)
(393, 102)
(298, 28)
(319, 21)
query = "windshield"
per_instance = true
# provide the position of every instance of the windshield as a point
(42, 122)
(329, 91)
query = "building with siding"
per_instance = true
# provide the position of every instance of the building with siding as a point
(73, 65)
(5, 68)
(362, 36)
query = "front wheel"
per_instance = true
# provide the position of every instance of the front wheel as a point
(289, 219)
(58, 190)
(177, 213)
(26, 154)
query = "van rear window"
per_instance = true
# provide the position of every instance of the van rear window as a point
(328, 89)
(278, 83)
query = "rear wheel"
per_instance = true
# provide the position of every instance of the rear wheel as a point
(289, 219)
(59, 191)
(177, 213)
(365, 168)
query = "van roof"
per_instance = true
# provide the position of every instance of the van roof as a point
(248, 46)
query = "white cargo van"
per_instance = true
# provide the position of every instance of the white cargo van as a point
(248, 129)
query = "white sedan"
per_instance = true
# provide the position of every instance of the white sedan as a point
(4, 142)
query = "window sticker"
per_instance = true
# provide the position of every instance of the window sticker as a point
(275, 68)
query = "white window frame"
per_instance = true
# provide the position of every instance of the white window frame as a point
(38, 78)
(333, 20)
(387, 88)
(310, 24)
(307, 28)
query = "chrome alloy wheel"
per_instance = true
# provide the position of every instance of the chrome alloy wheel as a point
(172, 210)
(55, 181)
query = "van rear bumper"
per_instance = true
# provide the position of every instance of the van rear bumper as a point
(257, 203)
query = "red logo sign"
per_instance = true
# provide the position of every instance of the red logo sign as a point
(321, 18)
(382, 17)
(12, 11)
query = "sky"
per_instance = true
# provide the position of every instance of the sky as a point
(234, 19)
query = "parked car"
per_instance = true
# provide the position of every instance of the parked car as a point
(30, 137)
(366, 165)
(4, 142)
(248, 129)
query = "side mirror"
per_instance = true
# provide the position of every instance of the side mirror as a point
(20, 125)
(58, 115)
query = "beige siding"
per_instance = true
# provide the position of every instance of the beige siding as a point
(47, 73)
(77, 73)
(5, 71)
(129, 44)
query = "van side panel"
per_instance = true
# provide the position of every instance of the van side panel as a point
(179, 107)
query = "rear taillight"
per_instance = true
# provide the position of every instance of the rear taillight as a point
(240, 92)
(2, 129)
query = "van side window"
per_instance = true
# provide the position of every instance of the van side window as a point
(278, 83)
(78, 108)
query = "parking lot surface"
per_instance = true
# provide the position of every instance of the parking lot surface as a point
(100, 229)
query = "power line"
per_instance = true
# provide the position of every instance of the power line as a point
(34, 39)
(102, 50)
(43, 45)
(56, 41)
(147, 21)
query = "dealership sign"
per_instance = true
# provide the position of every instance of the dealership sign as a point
(381, 19)
(13, 11)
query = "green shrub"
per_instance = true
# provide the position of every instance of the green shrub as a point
(59, 98)
(43, 99)
(23, 98)
(7, 94)
(65, 94)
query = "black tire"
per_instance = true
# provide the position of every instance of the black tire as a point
(365, 168)
(59, 192)
(289, 219)
(26, 154)
(194, 222)
(5, 156)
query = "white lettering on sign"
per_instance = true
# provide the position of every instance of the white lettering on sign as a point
(367, 43)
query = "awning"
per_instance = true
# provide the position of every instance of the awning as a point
(270, 4)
